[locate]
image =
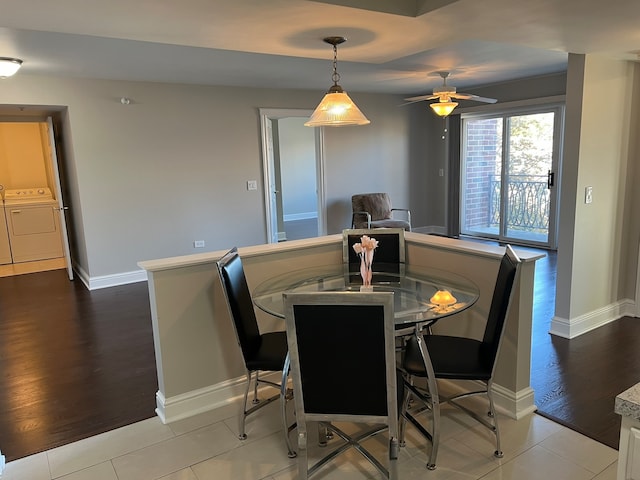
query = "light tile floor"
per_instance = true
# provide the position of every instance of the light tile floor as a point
(31, 267)
(206, 447)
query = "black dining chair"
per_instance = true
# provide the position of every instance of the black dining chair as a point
(458, 358)
(262, 352)
(338, 377)
(389, 257)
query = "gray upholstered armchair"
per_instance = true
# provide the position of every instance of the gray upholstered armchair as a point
(373, 210)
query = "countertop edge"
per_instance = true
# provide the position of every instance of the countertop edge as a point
(627, 403)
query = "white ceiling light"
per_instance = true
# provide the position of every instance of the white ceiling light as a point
(9, 66)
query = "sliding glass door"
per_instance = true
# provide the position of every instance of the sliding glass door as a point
(508, 176)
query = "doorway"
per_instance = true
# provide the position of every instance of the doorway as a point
(508, 182)
(293, 166)
(34, 230)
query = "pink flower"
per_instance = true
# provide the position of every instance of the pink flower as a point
(365, 249)
(369, 243)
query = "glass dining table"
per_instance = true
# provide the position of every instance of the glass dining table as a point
(415, 290)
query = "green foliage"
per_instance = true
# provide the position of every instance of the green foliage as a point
(531, 144)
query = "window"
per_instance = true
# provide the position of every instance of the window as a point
(508, 165)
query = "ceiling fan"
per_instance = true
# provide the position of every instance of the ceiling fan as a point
(444, 93)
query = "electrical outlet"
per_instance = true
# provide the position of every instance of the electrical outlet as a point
(252, 185)
(198, 243)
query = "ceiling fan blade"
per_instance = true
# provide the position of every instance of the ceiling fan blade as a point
(420, 98)
(476, 98)
(411, 103)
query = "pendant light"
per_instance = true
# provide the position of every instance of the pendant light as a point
(336, 108)
(9, 66)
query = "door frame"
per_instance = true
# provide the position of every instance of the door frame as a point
(267, 115)
(46, 119)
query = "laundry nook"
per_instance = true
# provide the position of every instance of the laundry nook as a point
(33, 224)
(30, 225)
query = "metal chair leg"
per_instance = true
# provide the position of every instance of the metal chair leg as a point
(402, 425)
(256, 400)
(434, 401)
(492, 413)
(291, 453)
(303, 462)
(243, 410)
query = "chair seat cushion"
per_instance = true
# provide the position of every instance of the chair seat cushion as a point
(388, 223)
(271, 353)
(452, 357)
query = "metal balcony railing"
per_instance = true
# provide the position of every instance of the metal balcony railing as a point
(527, 203)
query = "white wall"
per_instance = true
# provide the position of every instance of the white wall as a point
(148, 178)
(631, 201)
(604, 144)
(23, 163)
(594, 257)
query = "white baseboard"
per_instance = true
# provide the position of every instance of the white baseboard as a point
(202, 400)
(299, 216)
(572, 328)
(511, 404)
(438, 230)
(198, 401)
(94, 283)
(516, 405)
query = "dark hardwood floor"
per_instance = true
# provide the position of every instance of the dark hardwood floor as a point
(576, 381)
(73, 362)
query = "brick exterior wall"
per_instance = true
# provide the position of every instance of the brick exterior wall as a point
(482, 160)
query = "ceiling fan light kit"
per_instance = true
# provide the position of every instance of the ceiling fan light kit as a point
(9, 66)
(443, 109)
(336, 108)
(444, 93)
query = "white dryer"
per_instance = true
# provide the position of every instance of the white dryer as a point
(33, 224)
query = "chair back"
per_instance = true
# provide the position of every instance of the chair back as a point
(388, 257)
(500, 303)
(377, 204)
(342, 353)
(239, 302)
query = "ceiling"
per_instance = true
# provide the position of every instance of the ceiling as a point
(393, 46)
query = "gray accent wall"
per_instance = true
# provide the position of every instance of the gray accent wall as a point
(145, 180)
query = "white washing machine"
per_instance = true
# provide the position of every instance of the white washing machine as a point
(33, 224)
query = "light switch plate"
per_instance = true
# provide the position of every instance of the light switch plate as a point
(588, 194)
